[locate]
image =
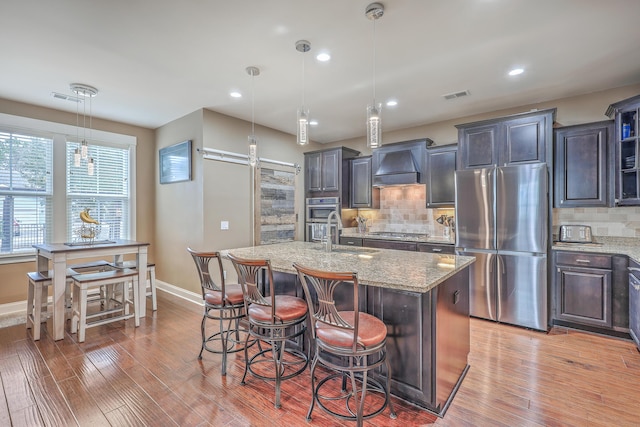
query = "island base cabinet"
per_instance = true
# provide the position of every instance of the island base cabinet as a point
(428, 340)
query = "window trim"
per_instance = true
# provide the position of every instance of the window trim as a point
(60, 133)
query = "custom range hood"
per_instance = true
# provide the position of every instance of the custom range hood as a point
(401, 163)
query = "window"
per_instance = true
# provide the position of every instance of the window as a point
(105, 193)
(25, 191)
(42, 193)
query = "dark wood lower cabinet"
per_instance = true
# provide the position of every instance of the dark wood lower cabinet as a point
(592, 292)
(389, 244)
(634, 302)
(428, 339)
(436, 248)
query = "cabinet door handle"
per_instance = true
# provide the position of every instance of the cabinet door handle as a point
(350, 242)
(583, 261)
(436, 250)
(456, 297)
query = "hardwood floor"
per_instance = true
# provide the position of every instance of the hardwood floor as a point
(127, 376)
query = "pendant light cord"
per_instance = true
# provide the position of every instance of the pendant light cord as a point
(78, 120)
(374, 62)
(253, 96)
(303, 82)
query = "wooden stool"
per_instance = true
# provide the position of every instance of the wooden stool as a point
(83, 282)
(38, 283)
(37, 299)
(151, 274)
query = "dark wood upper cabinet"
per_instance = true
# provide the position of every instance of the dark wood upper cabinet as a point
(362, 194)
(626, 115)
(324, 172)
(582, 176)
(478, 146)
(517, 139)
(441, 171)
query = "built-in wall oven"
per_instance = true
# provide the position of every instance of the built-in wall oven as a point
(317, 212)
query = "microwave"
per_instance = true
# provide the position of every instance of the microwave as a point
(319, 208)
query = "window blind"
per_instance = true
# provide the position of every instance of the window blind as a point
(106, 193)
(26, 183)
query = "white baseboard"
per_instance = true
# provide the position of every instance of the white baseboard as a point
(19, 308)
(11, 308)
(179, 292)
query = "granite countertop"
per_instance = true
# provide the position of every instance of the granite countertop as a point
(393, 269)
(629, 246)
(404, 237)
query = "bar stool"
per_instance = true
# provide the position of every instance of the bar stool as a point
(37, 303)
(82, 283)
(274, 319)
(151, 275)
(349, 343)
(223, 303)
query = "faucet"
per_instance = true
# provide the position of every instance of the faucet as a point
(329, 234)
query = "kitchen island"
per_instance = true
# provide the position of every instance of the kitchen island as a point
(423, 299)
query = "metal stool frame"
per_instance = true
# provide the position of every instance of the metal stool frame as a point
(275, 332)
(349, 363)
(228, 336)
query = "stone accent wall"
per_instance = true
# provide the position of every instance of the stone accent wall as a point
(615, 222)
(277, 206)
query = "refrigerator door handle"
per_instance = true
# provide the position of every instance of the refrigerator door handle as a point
(499, 284)
(487, 280)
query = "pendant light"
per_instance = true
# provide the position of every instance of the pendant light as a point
(82, 152)
(374, 111)
(303, 113)
(253, 141)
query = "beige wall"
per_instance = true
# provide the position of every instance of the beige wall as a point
(570, 111)
(189, 213)
(13, 285)
(174, 216)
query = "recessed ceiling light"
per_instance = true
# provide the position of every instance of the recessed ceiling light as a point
(313, 123)
(235, 94)
(392, 103)
(323, 57)
(516, 71)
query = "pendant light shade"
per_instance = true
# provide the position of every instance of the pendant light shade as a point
(374, 111)
(253, 140)
(82, 151)
(302, 125)
(374, 125)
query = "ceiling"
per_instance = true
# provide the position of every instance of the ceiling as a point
(154, 61)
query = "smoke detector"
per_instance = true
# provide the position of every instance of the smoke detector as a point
(374, 11)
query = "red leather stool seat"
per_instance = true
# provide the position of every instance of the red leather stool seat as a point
(234, 295)
(371, 332)
(288, 308)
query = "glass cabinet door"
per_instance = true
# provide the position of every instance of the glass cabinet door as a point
(627, 117)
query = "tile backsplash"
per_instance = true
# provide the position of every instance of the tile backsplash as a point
(615, 222)
(403, 210)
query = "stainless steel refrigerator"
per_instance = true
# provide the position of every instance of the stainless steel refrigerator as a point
(502, 220)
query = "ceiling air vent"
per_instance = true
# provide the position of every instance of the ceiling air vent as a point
(454, 95)
(65, 97)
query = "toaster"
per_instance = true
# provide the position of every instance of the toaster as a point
(575, 233)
